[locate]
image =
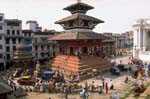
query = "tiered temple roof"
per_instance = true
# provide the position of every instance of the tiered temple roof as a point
(79, 19)
(78, 36)
(78, 7)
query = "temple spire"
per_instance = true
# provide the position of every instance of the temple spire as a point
(78, 0)
(79, 19)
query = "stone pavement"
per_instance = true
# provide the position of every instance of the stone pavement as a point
(118, 82)
(33, 95)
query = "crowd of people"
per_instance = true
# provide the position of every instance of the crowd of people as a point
(140, 71)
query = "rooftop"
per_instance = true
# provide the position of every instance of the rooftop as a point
(79, 16)
(78, 36)
(30, 21)
(13, 20)
(78, 7)
(44, 33)
(27, 31)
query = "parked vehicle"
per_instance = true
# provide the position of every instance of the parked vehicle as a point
(123, 67)
(26, 80)
(115, 71)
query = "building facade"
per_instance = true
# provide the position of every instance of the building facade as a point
(2, 43)
(13, 37)
(123, 40)
(141, 30)
(129, 38)
(10, 36)
(43, 49)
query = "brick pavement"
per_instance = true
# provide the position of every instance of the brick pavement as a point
(118, 82)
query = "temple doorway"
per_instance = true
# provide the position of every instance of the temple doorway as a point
(71, 51)
(85, 51)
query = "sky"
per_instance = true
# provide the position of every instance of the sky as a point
(119, 15)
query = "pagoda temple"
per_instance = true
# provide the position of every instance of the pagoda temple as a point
(80, 49)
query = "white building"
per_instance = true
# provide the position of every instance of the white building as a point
(141, 47)
(13, 37)
(33, 25)
(10, 36)
(2, 42)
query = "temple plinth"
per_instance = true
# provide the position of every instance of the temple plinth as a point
(80, 49)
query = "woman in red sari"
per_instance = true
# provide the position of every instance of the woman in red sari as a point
(106, 87)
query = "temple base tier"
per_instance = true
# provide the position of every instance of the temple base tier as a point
(80, 67)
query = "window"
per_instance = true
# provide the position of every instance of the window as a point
(0, 37)
(1, 47)
(13, 23)
(29, 34)
(36, 54)
(36, 48)
(8, 56)
(14, 48)
(30, 48)
(25, 34)
(19, 40)
(42, 54)
(42, 47)
(7, 41)
(1, 55)
(7, 49)
(1, 27)
(8, 32)
(47, 46)
(35, 40)
(14, 41)
(1, 18)
(18, 32)
(13, 32)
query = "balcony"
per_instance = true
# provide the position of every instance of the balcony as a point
(14, 36)
(42, 43)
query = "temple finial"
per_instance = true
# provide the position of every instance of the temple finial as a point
(78, 0)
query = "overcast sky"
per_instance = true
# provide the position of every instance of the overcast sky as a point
(118, 15)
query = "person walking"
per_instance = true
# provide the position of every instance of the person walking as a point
(66, 92)
(106, 87)
(84, 94)
(100, 90)
(111, 85)
(103, 83)
(93, 86)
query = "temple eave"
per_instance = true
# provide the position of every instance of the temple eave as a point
(79, 36)
(79, 16)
